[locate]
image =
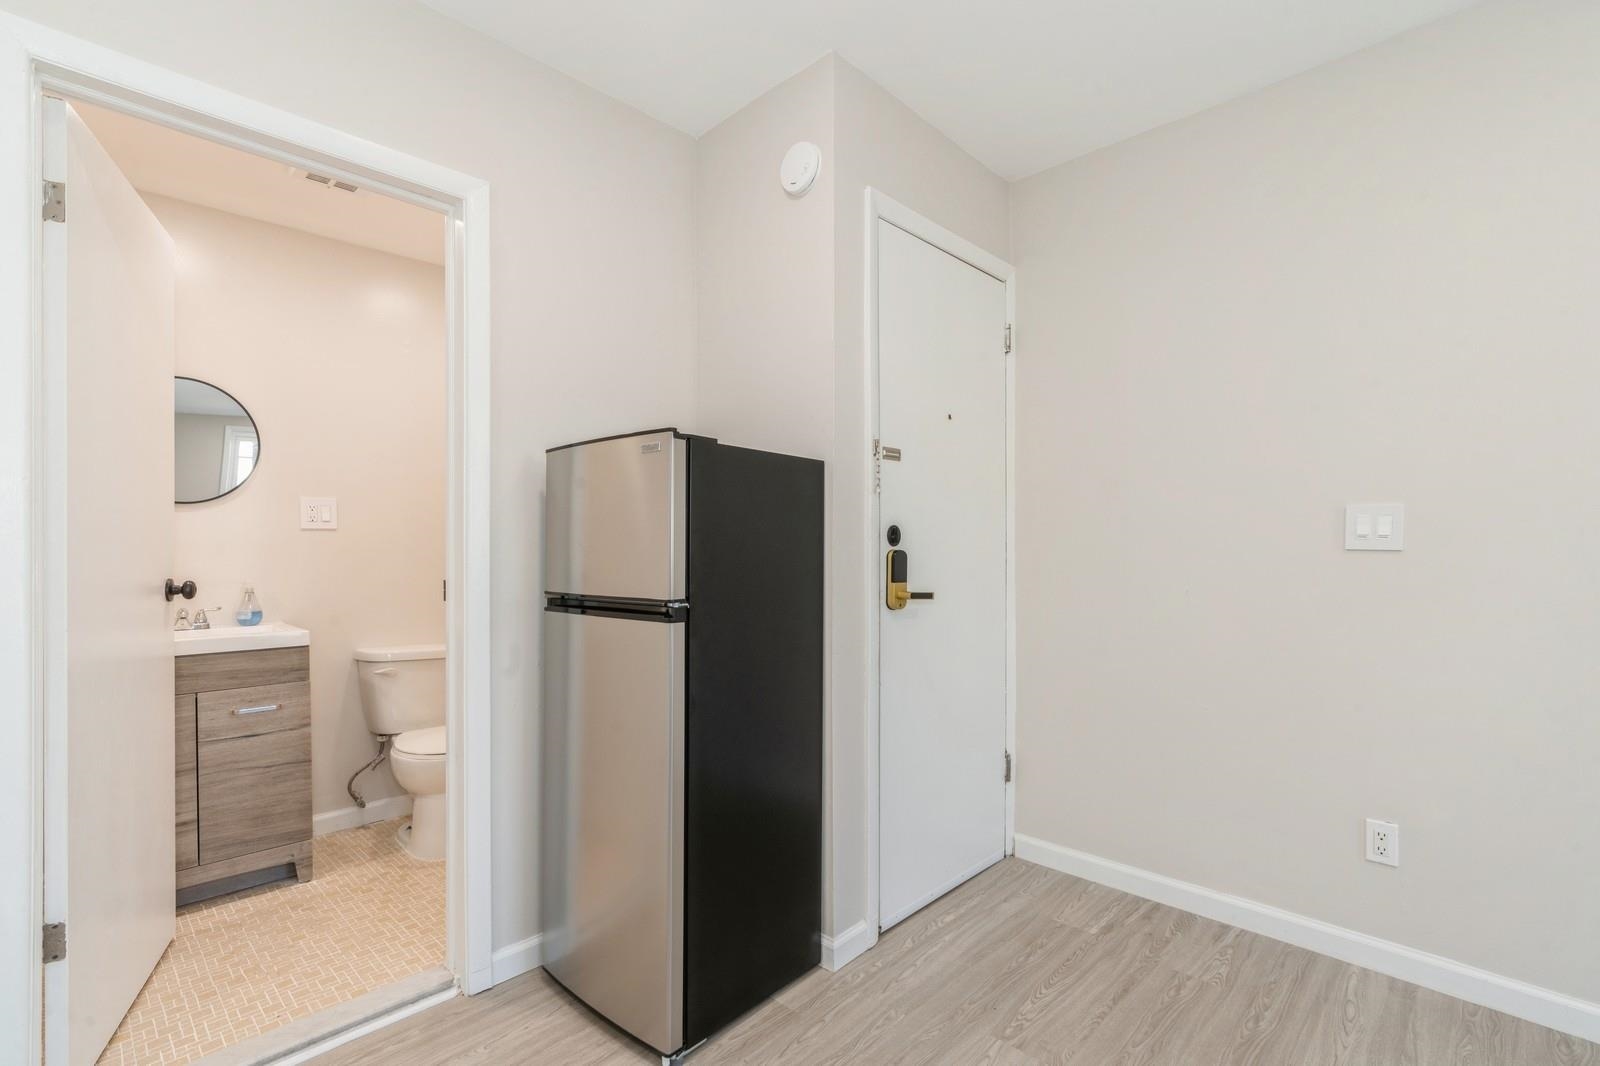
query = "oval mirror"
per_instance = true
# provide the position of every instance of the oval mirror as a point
(215, 443)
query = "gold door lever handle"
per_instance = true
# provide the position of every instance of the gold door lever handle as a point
(895, 593)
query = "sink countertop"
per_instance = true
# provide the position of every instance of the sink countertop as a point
(230, 637)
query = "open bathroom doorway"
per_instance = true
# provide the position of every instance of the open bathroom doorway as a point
(255, 288)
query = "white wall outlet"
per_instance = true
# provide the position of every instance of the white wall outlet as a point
(1383, 842)
(1379, 527)
(319, 512)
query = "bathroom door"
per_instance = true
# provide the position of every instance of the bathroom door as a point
(108, 840)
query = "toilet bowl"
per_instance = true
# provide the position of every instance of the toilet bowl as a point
(418, 760)
(402, 697)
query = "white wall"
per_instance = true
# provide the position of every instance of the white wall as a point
(764, 261)
(593, 300)
(782, 358)
(338, 353)
(1373, 282)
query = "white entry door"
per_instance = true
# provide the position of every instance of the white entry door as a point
(109, 839)
(941, 737)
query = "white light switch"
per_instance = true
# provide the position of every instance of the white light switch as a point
(319, 512)
(1375, 527)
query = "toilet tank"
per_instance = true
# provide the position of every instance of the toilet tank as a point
(402, 688)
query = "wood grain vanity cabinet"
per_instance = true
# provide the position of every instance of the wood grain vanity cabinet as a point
(243, 764)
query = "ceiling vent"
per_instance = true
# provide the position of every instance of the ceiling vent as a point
(323, 179)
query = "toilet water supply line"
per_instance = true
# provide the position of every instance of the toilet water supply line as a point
(377, 761)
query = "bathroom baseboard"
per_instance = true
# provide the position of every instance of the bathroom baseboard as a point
(349, 817)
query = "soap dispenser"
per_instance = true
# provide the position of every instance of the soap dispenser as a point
(249, 612)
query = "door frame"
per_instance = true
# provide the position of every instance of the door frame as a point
(34, 61)
(883, 208)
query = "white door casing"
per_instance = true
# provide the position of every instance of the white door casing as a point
(109, 851)
(942, 662)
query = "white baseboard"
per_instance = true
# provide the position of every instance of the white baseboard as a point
(1561, 1012)
(349, 817)
(838, 951)
(516, 959)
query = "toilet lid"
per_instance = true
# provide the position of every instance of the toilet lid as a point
(428, 741)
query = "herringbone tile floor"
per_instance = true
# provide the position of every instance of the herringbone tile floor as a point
(247, 963)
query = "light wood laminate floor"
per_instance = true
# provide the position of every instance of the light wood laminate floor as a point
(1020, 966)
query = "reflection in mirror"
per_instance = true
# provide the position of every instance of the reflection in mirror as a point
(215, 444)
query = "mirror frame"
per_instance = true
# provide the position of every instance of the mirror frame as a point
(254, 425)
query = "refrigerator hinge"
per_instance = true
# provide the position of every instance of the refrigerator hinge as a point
(55, 941)
(1008, 768)
(1008, 338)
(55, 201)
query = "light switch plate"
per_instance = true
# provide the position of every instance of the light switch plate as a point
(319, 512)
(1375, 527)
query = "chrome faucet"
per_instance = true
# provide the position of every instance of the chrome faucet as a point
(200, 619)
(181, 622)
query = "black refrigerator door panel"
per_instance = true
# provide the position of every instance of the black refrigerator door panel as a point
(753, 740)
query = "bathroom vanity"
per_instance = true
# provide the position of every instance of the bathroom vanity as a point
(242, 710)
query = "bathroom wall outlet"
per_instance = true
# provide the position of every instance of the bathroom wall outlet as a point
(1383, 842)
(319, 512)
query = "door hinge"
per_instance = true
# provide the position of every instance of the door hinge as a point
(444, 589)
(1008, 338)
(877, 467)
(55, 941)
(1008, 768)
(55, 201)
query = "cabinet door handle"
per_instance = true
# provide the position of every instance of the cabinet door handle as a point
(262, 709)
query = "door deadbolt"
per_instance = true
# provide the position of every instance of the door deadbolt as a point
(894, 536)
(895, 593)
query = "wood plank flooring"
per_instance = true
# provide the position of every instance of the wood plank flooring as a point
(1024, 966)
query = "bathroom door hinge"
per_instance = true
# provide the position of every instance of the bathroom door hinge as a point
(55, 201)
(877, 468)
(444, 590)
(55, 941)
(1008, 768)
(1008, 338)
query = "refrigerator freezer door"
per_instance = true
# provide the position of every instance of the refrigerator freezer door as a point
(616, 512)
(612, 847)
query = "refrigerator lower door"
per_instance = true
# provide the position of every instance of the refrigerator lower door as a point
(611, 892)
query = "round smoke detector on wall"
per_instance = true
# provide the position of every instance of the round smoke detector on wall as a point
(801, 165)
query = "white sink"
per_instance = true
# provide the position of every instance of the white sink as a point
(230, 637)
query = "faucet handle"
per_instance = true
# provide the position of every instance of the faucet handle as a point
(201, 620)
(181, 621)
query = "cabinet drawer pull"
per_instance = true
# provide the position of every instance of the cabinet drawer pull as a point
(263, 709)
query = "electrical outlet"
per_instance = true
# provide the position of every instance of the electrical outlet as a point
(1383, 842)
(319, 512)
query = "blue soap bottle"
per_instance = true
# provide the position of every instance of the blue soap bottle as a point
(249, 612)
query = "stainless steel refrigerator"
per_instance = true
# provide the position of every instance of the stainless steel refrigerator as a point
(681, 793)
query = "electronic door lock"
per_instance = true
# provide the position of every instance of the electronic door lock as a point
(895, 593)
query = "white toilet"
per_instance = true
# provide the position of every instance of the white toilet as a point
(402, 696)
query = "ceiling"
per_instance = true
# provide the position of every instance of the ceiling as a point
(164, 162)
(1020, 84)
